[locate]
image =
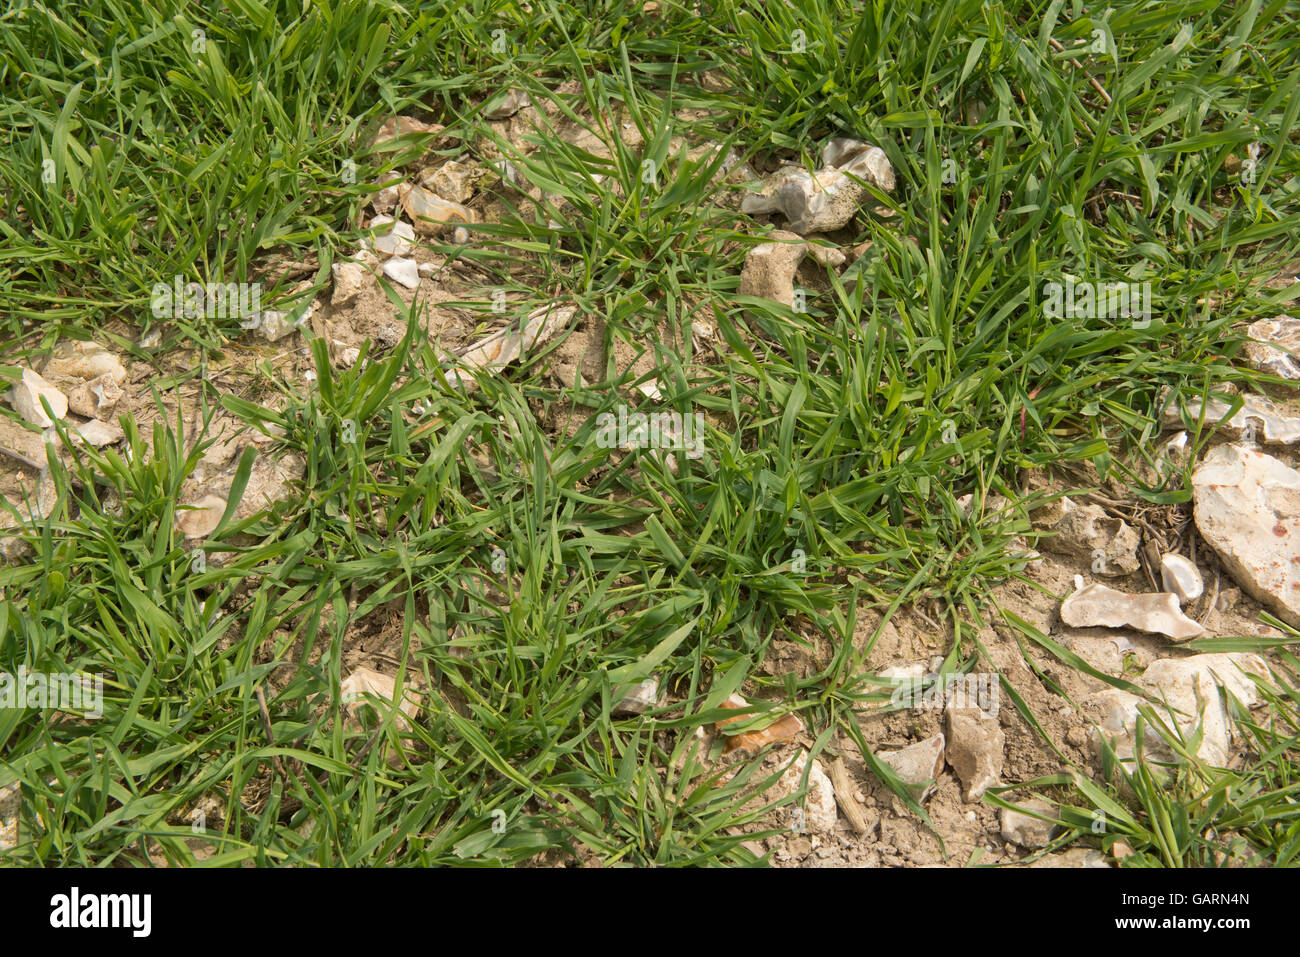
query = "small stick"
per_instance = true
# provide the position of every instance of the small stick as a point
(270, 735)
(1056, 45)
(843, 788)
(1214, 597)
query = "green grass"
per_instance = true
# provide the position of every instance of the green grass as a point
(172, 157)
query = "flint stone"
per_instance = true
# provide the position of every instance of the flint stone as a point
(1087, 532)
(1180, 576)
(504, 106)
(1247, 506)
(431, 214)
(404, 271)
(918, 765)
(1258, 416)
(350, 277)
(1188, 686)
(1025, 830)
(820, 811)
(831, 197)
(452, 181)
(97, 398)
(975, 750)
(26, 396)
(85, 360)
(770, 268)
(1273, 346)
(397, 241)
(637, 699)
(1100, 606)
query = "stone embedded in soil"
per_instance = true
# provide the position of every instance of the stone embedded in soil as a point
(918, 765)
(975, 750)
(345, 356)
(509, 344)
(453, 181)
(97, 398)
(404, 271)
(828, 199)
(397, 241)
(832, 257)
(397, 126)
(770, 268)
(1247, 507)
(1104, 654)
(1100, 606)
(431, 214)
(911, 670)
(1025, 830)
(270, 481)
(1047, 507)
(350, 277)
(384, 199)
(993, 504)
(1174, 451)
(505, 105)
(25, 397)
(1188, 686)
(27, 443)
(1273, 345)
(370, 689)
(637, 699)
(203, 518)
(364, 685)
(15, 550)
(784, 728)
(1108, 544)
(85, 361)
(273, 325)
(1180, 576)
(731, 170)
(41, 502)
(99, 433)
(1264, 419)
(819, 811)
